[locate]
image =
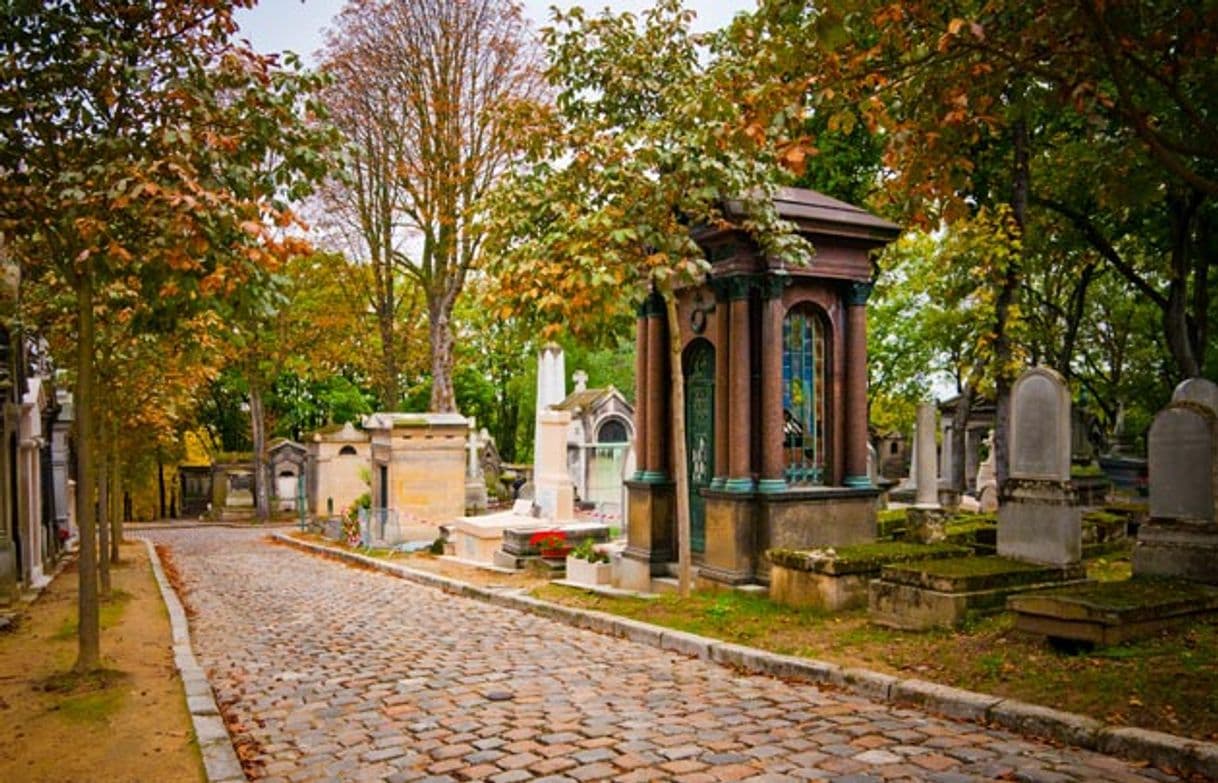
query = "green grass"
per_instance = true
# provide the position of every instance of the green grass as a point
(92, 707)
(109, 613)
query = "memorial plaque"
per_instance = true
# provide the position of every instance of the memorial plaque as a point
(1181, 453)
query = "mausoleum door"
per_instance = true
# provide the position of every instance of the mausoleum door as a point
(699, 434)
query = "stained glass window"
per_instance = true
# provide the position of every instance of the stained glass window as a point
(803, 396)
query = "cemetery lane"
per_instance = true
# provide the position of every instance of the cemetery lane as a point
(338, 673)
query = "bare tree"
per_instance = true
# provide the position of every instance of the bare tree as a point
(417, 88)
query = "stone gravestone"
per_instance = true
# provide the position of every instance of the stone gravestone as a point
(475, 483)
(1181, 537)
(1199, 390)
(926, 518)
(987, 481)
(1037, 520)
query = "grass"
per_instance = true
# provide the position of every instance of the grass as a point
(1168, 682)
(109, 614)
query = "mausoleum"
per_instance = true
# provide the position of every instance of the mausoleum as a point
(775, 363)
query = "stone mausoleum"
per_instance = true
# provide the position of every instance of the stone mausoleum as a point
(775, 363)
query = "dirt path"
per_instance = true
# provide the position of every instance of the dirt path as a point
(137, 729)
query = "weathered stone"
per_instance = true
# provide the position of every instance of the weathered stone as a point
(1040, 426)
(1183, 442)
(1199, 390)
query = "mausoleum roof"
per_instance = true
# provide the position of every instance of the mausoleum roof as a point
(813, 211)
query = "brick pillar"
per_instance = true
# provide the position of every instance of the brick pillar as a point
(640, 394)
(657, 392)
(740, 468)
(856, 385)
(722, 386)
(772, 313)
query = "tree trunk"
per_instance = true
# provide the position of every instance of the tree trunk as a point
(1175, 316)
(443, 400)
(1003, 350)
(160, 481)
(389, 394)
(262, 495)
(1074, 320)
(88, 628)
(103, 520)
(958, 479)
(116, 495)
(680, 468)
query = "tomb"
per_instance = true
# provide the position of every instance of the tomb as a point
(775, 363)
(1174, 570)
(339, 468)
(418, 465)
(599, 445)
(1039, 537)
(286, 462)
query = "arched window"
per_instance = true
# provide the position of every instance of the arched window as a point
(612, 431)
(803, 396)
(347, 451)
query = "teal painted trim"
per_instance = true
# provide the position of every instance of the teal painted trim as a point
(857, 293)
(718, 482)
(858, 482)
(639, 475)
(653, 477)
(738, 485)
(770, 486)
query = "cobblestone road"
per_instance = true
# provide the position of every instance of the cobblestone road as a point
(344, 674)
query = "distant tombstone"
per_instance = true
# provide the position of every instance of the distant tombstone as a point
(987, 482)
(873, 471)
(1040, 426)
(1199, 390)
(1181, 538)
(1181, 446)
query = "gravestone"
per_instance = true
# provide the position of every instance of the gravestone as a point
(1199, 390)
(475, 483)
(1181, 537)
(1037, 519)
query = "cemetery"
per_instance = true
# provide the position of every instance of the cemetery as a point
(871, 349)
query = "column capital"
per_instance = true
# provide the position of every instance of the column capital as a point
(652, 306)
(773, 283)
(738, 286)
(857, 293)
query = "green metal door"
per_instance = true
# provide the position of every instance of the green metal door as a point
(699, 434)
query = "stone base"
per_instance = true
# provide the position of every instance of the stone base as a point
(516, 541)
(807, 580)
(1039, 523)
(729, 554)
(1112, 612)
(477, 539)
(475, 496)
(813, 518)
(586, 573)
(941, 593)
(650, 528)
(926, 525)
(1177, 549)
(635, 572)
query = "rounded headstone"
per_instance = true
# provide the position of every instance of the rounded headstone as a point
(1040, 426)
(1199, 390)
(1181, 452)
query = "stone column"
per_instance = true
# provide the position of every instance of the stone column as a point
(740, 468)
(772, 312)
(656, 429)
(722, 385)
(640, 393)
(856, 385)
(927, 478)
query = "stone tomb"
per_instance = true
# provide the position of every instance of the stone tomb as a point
(1174, 560)
(1038, 521)
(1039, 527)
(418, 465)
(1181, 537)
(340, 459)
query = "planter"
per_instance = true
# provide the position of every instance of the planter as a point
(556, 554)
(587, 573)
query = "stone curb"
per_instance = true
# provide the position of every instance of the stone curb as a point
(215, 745)
(1160, 749)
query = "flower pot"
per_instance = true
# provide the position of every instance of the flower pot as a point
(555, 554)
(586, 573)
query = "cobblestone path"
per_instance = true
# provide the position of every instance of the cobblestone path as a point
(344, 674)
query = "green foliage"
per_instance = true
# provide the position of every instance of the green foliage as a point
(586, 550)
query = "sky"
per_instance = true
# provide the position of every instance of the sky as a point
(297, 25)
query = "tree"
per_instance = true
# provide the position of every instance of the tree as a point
(653, 130)
(135, 141)
(426, 143)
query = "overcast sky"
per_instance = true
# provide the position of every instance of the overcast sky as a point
(276, 25)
